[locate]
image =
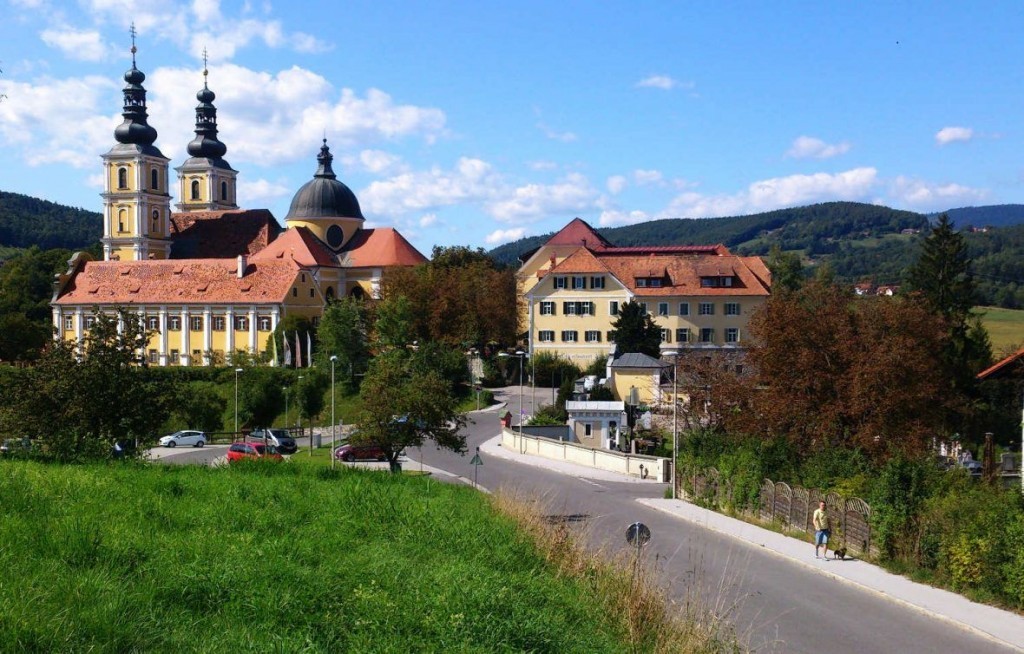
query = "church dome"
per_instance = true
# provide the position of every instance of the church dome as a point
(324, 196)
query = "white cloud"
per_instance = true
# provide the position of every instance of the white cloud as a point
(471, 181)
(378, 161)
(206, 10)
(926, 196)
(505, 235)
(616, 184)
(83, 45)
(253, 193)
(663, 82)
(612, 217)
(428, 220)
(564, 137)
(648, 177)
(808, 147)
(780, 192)
(542, 165)
(948, 135)
(533, 201)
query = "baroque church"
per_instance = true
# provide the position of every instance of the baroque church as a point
(211, 279)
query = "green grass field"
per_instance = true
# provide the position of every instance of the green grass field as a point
(1005, 329)
(286, 557)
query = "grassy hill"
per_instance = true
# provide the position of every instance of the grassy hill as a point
(294, 557)
(27, 221)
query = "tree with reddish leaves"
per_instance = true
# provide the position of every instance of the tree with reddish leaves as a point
(835, 370)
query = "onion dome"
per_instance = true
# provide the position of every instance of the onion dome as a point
(324, 196)
(206, 144)
(135, 129)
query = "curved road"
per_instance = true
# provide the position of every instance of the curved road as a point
(773, 604)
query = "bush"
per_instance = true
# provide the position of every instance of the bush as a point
(896, 501)
(552, 370)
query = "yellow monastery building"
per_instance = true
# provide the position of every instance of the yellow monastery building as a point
(574, 284)
(211, 279)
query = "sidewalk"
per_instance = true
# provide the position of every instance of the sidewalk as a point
(493, 447)
(1001, 626)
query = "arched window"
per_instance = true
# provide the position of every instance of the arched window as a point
(224, 191)
(121, 216)
(156, 220)
(358, 293)
(154, 179)
(122, 178)
(330, 293)
(195, 189)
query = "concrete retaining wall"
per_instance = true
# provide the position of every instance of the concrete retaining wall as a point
(629, 464)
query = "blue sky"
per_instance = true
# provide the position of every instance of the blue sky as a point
(475, 123)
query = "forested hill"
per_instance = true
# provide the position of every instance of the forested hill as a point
(27, 221)
(996, 215)
(816, 229)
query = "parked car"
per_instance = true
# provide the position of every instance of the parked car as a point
(252, 450)
(350, 452)
(279, 438)
(973, 467)
(185, 437)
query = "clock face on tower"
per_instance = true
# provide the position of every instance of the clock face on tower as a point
(335, 236)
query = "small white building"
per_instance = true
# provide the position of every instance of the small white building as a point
(597, 424)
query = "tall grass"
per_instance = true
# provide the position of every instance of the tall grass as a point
(285, 558)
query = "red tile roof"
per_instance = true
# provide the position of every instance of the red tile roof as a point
(301, 245)
(680, 274)
(187, 281)
(578, 232)
(380, 247)
(221, 234)
(1003, 366)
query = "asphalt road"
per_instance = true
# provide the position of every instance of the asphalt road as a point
(773, 604)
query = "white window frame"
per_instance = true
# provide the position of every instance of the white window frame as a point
(69, 323)
(732, 308)
(592, 336)
(241, 323)
(663, 308)
(732, 334)
(706, 309)
(547, 308)
(613, 308)
(152, 322)
(570, 336)
(579, 282)
(569, 308)
(683, 335)
(217, 323)
(560, 281)
(264, 323)
(195, 323)
(546, 336)
(90, 322)
(666, 335)
(707, 331)
(174, 323)
(684, 308)
(597, 282)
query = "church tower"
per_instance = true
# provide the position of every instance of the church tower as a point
(206, 181)
(136, 203)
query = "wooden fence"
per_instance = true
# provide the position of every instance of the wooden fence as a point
(790, 506)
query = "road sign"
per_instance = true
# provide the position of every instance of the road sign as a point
(476, 461)
(637, 534)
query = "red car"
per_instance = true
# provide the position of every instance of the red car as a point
(239, 451)
(353, 452)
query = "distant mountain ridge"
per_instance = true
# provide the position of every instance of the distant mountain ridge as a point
(26, 221)
(996, 215)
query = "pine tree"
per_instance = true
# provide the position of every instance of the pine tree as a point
(635, 331)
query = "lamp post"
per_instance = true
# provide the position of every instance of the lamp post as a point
(334, 358)
(675, 414)
(302, 431)
(237, 370)
(284, 389)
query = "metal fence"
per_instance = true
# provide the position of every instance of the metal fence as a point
(789, 506)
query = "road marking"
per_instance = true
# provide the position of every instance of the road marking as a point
(592, 483)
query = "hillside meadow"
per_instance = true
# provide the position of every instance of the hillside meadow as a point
(297, 557)
(1005, 329)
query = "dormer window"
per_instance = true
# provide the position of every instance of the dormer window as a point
(561, 282)
(716, 281)
(649, 282)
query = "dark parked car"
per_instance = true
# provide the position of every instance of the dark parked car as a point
(349, 452)
(279, 438)
(239, 451)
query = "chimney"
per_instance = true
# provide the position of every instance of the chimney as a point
(242, 264)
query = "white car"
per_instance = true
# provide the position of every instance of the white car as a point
(186, 437)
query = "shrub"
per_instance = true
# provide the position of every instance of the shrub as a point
(896, 501)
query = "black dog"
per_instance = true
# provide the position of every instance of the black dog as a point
(841, 553)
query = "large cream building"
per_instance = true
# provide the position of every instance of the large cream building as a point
(212, 280)
(574, 284)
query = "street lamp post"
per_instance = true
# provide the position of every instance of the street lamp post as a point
(284, 389)
(675, 420)
(237, 370)
(334, 358)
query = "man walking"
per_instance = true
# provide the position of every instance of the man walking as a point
(822, 529)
